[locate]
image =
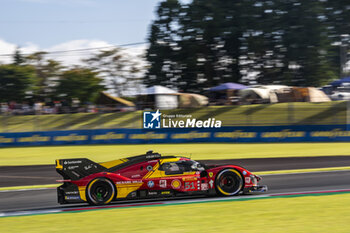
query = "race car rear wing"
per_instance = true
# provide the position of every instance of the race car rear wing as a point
(76, 169)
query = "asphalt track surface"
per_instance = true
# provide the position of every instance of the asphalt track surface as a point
(24, 200)
(46, 174)
(43, 200)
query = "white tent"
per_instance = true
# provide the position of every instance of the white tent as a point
(316, 95)
(164, 97)
(157, 90)
(262, 95)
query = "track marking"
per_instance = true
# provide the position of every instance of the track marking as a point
(27, 177)
(28, 187)
(302, 171)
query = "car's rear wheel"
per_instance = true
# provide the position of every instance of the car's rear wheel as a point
(228, 182)
(100, 191)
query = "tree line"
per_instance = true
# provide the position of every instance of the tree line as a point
(206, 42)
(37, 78)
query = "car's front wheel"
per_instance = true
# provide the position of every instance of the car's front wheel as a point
(228, 182)
(100, 191)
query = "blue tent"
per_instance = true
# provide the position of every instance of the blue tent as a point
(228, 86)
(339, 82)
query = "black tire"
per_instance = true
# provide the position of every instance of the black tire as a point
(228, 182)
(100, 191)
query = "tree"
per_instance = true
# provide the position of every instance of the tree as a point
(205, 42)
(48, 72)
(18, 58)
(16, 82)
(121, 73)
(80, 83)
(338, 19)
(162, 55)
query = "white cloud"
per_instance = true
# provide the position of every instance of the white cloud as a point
(75, 57)
(68, 58)
(6, 48)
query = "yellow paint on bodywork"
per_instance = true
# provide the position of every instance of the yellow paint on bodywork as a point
(113, 163)
(155, 173)
(82, 191)
(123, 190)
(58, 165)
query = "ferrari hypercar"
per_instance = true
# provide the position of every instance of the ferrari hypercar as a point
(149, 176)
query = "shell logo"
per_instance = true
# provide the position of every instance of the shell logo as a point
(176, 184)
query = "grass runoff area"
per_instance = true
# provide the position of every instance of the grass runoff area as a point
(245, 115)
(197, 151)
(315, 213)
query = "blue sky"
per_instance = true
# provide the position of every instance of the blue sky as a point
(50, 22)
(55, 25)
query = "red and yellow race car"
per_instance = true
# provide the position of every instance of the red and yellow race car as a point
(149, 176)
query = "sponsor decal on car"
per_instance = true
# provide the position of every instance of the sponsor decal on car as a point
(247, 179)
(72, 198)
(72, 162)
(162, 183)
(204, 186)
(149, 168)
(150, 184)
(211, 182)
(152, 193)
(244, 173)
(165, 193)
(190, 185)
(189, 178)
(72, 192)
(87, 167)
(176, 184)
(129, 182)
(210, 174)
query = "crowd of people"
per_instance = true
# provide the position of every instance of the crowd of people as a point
(39, 108)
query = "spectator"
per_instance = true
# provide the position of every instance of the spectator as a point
(4, 108)
(38, 108)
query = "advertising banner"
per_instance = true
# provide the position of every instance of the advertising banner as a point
(298, 133)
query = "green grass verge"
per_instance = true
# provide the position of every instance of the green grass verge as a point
(245, 115)
(197, 151)
(294, 214)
